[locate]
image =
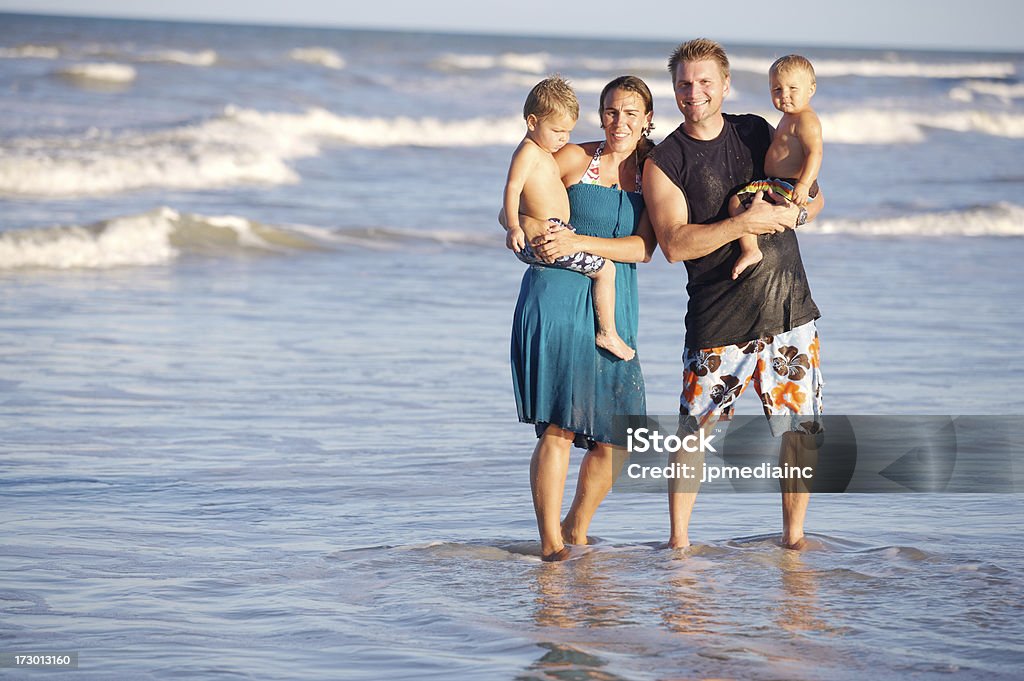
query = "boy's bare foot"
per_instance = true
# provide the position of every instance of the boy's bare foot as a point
(746, 259)
(615, 345)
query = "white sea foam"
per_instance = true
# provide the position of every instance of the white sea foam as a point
(135, 240)
(30, 52)
(1001, 219)
(881, 126)
(240, 146)
(660, 88)
(968, 91)
(321, 56)
(512, 61)
(152, 238)
(201, 58)
(873, 68)
(106, 72)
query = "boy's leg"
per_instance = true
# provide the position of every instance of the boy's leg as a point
(750, 255)
(603, 290)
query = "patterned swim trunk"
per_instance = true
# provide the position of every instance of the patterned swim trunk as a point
(785, 369)
(781, 187)
(584, 263)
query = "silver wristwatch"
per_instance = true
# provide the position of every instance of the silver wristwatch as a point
(801, 218)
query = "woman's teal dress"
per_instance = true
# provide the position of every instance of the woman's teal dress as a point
(560, 376)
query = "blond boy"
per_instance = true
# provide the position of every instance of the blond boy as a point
(536, 203)
(794, 157)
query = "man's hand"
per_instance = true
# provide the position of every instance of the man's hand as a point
(769, 217)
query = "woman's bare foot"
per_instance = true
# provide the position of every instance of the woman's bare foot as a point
(615, 345)
(557, 556)
(746, 259)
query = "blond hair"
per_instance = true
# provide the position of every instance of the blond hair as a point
(792, 63)
(699, 49)
(550, 96)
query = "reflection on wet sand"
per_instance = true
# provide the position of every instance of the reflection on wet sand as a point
(685, 609)
(576, 595)
(579, 594)
(798, 605)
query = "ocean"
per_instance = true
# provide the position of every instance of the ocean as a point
(255, 398)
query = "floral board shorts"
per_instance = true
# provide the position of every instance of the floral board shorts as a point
(785, 369)
(584, 263)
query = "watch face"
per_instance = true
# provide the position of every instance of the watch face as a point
(801, 218)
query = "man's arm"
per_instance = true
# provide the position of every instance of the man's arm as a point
(681, 240)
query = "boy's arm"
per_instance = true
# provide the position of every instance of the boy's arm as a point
(523, 162)
(518, 170)
(809, 132)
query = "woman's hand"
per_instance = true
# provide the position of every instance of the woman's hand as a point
(555, 244)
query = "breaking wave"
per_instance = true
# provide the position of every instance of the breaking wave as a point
(30, 52)
(969, 91)
(153, 238)
(320, 56)
(873, 68)
(240, 146)
(1001, 219)
(528, 63)
(201, 58)
(105, 72)
(881, 126)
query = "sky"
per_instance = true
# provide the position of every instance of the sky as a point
(942, 24)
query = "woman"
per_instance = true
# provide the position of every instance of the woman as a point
(564, 384)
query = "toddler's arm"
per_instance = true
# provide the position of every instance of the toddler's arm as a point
(809, 132)
(519, 169)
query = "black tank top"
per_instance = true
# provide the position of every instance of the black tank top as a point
(769, 298)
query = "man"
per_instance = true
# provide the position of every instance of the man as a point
(760, 326)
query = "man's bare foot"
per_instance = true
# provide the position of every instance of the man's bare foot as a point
(679, 543)
(795, 545)
(746, 259)
(615, 345)
(556, 556)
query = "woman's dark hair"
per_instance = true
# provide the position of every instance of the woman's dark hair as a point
(638, 86)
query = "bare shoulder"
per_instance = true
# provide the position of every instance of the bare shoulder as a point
(808, 119)
(572, 159)
(528, 150)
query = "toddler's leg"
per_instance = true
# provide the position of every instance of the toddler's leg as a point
(603, 289)
(750, 255)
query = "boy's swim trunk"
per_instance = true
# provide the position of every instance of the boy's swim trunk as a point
(584, 263)
(782, 187)
(785, 369)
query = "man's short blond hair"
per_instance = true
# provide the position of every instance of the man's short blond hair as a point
(553, 95)
(699, 49)
(792, 63)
